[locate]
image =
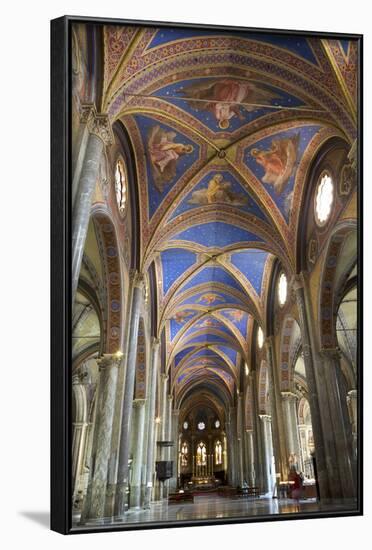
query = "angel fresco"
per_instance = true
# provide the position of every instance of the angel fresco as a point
(278, 161)
(222, 97)
(218, 190)
(208, 323)
(236, 315)
(182, 316)
(164, 154)
(210, 298)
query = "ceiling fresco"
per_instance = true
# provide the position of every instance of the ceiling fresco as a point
(224, 127)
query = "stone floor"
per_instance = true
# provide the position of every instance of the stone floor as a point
(208, 507)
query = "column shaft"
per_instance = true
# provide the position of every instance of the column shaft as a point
(267, 452)
(152, 425)
(138, 445)
(314, 389)
(108, 367)
(123, 468)
(343, 455)
(289, 402)
(276, 413)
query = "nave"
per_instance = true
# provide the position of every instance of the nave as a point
(215, 275)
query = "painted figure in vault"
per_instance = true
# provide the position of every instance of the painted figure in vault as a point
(218, 190)
(208, 323)
(236, 315)
(223, 98)
(164, 154)
(278, 161)
(210, 298)
(182, 316)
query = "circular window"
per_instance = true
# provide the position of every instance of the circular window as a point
(121, 186)
(260, 337)
(324, 197)
(217, 424)
(201, 426)
(185, 425)
(282, 289)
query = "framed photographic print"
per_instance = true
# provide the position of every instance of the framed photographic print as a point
(206, 275)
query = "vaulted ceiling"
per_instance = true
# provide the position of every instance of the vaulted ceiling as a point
(224, 127)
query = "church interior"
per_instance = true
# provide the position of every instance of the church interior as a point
(214, 274)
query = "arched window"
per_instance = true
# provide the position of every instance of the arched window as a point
(260, 337)
(282, 289)
(324, 196)
(121, 186)
(184, 454)
(201, 454)
(218, 453)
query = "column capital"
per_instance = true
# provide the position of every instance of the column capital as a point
(138, 403)
(109, 360)
(330, 353)
(269, 342)
(352, 394)
(170, 397)
(265, 417)
(297, 282)
(155, 342)
(164, 376)
(98, 124)
(288, 395)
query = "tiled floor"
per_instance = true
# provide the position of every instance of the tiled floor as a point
(212, 507)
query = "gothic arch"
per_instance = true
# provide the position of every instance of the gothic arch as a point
(336, 268)
(113, 280)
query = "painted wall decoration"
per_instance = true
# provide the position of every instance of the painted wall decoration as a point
(164, 154)
(274, 161)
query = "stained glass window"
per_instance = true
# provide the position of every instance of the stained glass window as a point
(121, 186)
(184, 454)
(201, 426)
(201, 454)
(260, 337)
(324, 198)
(282, 289)
(218, 453)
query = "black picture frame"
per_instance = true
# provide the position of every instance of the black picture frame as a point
(61, 380)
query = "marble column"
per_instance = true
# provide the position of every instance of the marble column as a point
(337, 427)
(289, 402)
(175, 449)
(100, 135)
(79, 436)
(96, 497)
(150, 463)
(138, 424)
(80, 430)
(257, 436)
(268, 452)
(126, 424)
(232, 443)
(250, 452)
(163, 454)
(240, 439)
(276, 412)
(352, 403)
(323, 457)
